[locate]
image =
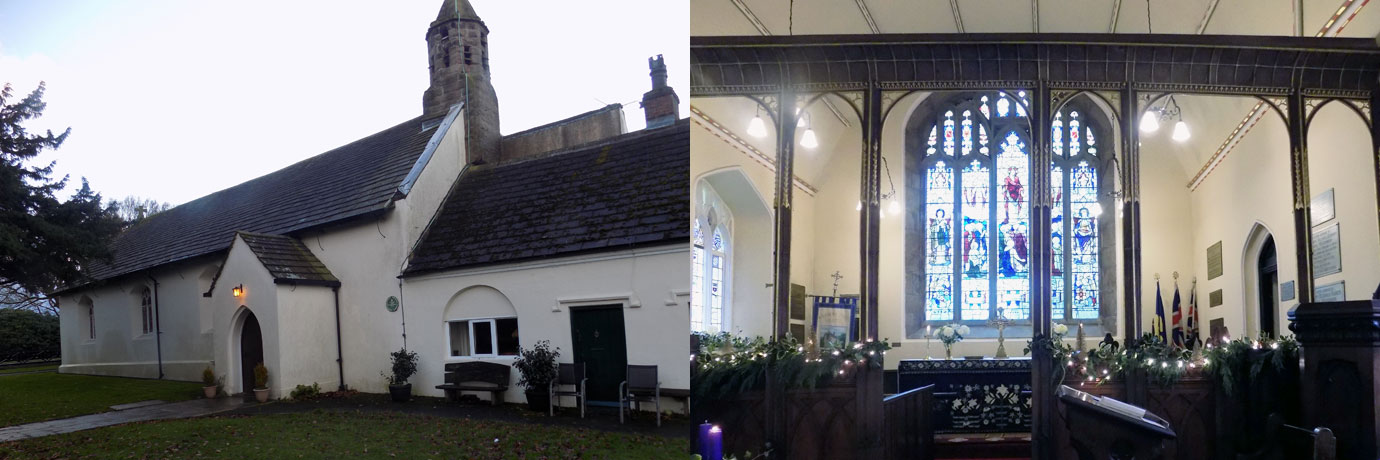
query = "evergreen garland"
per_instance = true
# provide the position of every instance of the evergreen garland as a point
(1231, 362)
(726, 364)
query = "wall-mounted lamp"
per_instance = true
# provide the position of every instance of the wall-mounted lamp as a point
(238, 290)
(1150, 121)
(756, 128)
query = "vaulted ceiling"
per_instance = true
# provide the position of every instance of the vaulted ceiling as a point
(1212, 118)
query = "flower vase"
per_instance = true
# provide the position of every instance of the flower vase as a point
(948, 351)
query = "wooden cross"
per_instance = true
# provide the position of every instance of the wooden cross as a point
(836, 276)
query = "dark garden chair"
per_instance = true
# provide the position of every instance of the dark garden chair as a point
(641, 386)
(569, 375)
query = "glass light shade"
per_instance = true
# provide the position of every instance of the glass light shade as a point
(1181, 131)
(1150, 122)
(756, 128)
(800, 121)
(808, 139)
(893, 207)
(1096, 209)
(859, 208)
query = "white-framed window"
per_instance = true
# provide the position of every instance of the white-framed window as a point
(712, 235)
(146, 311)
(483, 337)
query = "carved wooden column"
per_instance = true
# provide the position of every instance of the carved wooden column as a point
(1043, 412)
(785, 171)
(870, 422)
(775, 392)
(1298, 169)
(1340, 344)
(1130, 152)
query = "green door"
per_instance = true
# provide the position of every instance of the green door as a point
(601, 343)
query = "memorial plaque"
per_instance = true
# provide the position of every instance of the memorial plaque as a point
(798, 303)
(1335, 292)
(1286, 291)
(1327, 251)
(1214, 260)
(1214, 298)
(1322, 208)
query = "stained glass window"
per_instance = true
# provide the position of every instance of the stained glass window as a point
(976, 213)
(711, 234)
(1076, 265)
(977, 216)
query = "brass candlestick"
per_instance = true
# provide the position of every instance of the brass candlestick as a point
(1000, 322)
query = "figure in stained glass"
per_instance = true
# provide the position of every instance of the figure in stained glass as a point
(1014, 191)
(1013, 249)
(940, 242)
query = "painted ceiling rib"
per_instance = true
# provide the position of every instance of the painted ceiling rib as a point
(1035, 16)
(1345, 13)
(1116, 15)
(741, 145)
(958, 16)
(1207, 17)
(867, 16)
(835, 110)
(751, 17)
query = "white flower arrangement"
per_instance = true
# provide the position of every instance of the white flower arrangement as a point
(1060, 329)
(952, 334)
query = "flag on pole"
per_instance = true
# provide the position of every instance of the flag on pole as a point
(1158, 327)
(1178, 327)
(1192, 318)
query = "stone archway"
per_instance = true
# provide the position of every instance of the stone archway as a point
(249, 349)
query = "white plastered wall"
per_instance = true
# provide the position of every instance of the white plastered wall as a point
(120, 347)
(651, 284)
(1340, 158)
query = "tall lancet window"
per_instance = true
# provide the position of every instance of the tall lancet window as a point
(976, 211)
(712, 235)
(969, 168)
(146, 311)
(1076, 264)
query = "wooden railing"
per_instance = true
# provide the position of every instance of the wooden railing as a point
(909, 427)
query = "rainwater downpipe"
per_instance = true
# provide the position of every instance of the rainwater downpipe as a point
(339, 355)
(157, 327)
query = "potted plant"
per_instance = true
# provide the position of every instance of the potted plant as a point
(404, 367)
(537, 369)
(208, 380)
(261, 382)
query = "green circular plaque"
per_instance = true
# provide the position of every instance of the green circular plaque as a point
(391, 304)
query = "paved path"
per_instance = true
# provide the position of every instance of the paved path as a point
(184, 409)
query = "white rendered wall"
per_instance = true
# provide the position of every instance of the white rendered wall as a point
(651, 284)
(120, 347)
(1340, 158)
(306, 328)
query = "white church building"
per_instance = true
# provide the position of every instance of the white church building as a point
(437, 234)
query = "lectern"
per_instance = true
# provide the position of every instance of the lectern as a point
(1102, 428)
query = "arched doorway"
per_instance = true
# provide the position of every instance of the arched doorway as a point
(1267, 268)
(251, 352)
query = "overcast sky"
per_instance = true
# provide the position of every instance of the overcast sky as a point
(174, 99)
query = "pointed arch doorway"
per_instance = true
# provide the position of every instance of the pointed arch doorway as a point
(1260, 284)
(251, 353)
(1267, 268)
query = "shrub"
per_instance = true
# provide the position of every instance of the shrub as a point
(404, 366)
(208, 377)
(303, 392)
(260, 377)
(537, 365)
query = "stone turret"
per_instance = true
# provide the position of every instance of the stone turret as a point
(458, 55)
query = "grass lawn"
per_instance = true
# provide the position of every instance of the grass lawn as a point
(37, 397)
(331, 434)
(29, 368)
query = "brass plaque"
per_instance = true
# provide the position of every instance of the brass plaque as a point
(798, 302)
(1214, 298)
(1214, 260)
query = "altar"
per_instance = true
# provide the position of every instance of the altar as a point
(973, 395)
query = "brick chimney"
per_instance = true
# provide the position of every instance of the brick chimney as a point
(661, 105)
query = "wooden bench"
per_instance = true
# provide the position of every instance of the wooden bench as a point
(476, 376)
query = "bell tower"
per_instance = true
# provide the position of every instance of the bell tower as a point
(458, 57)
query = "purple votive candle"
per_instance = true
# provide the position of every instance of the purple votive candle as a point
(711, 442)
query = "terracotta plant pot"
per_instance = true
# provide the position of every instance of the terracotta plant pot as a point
(261, 394)
(400, 393)
(210, 391)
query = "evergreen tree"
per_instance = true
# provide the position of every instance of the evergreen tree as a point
(44, 242)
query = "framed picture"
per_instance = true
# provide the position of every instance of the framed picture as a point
(835, 319)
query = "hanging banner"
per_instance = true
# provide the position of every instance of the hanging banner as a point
(835, 319)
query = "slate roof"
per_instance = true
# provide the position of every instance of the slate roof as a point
(288, 260)
(352, 180)
(630, 191)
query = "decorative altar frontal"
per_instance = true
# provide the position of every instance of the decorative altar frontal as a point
(973, 395)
